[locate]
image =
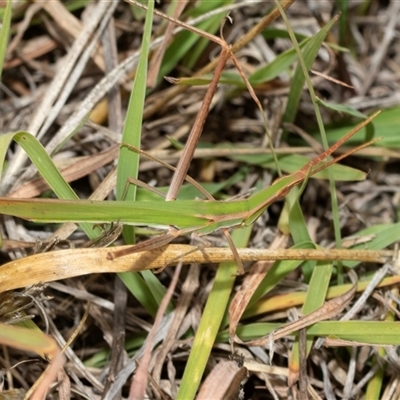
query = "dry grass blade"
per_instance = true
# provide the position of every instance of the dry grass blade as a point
(186, 298)
(48, 267)
(73, 27)
(43, 119)
(139, 382)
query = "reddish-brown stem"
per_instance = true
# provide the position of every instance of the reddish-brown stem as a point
(194, 136)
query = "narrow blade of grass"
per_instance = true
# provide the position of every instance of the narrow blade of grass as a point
(46, 168)
(213, 314)
(376, 333)
(142, 287)
(5, 30)
(308, 54)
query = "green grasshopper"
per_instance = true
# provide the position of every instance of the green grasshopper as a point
(184, 216)
(179, 216)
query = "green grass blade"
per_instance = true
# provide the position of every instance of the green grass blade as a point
(318, 287)
(188, 43)
(4, 33)
(343, 7)
(297, 222)
(141, 291)
(144, 288)
(276, 33)
(382, 236)
(321, 274)
(292, 221)
(374, 386)
(386, 124)
(46, 168)
(308, 54)
(315, 298)
(342, 108)
(273, 69)
(372, 332)
(293, 162)
(128, 161)
(213, 314)
(305, 60)
(213, 24)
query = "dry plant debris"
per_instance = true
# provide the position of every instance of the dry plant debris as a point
(67, 78)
